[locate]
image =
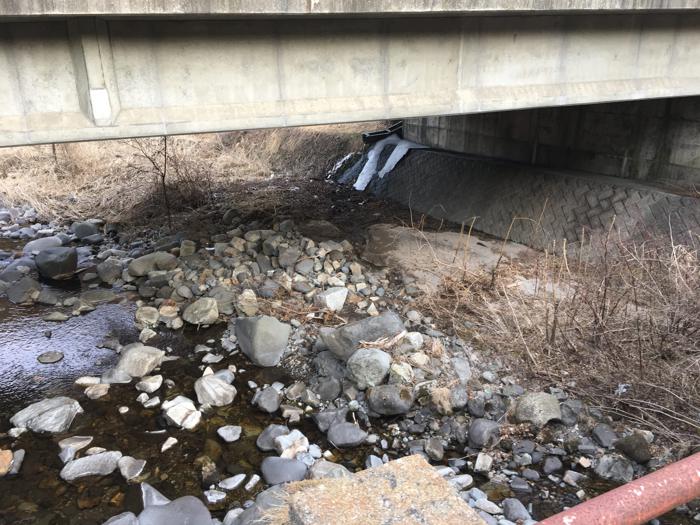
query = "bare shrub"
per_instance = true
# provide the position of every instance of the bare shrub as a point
(620, 328)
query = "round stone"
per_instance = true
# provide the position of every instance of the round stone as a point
(48, 358)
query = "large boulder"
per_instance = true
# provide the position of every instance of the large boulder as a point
(345, 340)
(44, 243)
(390, 400)
(368, 367)
(96, 465)
(138, 360)
(25, 291)
(214, 391)
(263, 339)
(57, 263)
(537, 408)
(151, 262)
(48, 415)
(202, 312)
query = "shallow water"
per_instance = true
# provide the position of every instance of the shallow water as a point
(38, 495)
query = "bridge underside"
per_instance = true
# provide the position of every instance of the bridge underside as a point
(84, 78)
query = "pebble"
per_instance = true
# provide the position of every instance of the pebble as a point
(229, 433)
(168, 443)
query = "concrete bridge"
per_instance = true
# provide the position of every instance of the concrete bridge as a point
(96, 69)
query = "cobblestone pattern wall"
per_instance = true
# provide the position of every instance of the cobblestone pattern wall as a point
(538, 206)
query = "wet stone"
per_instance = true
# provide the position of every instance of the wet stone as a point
(48, 415)
(346, 435)
(229, 433)
(266, 439)
(96, 465)
(282, 470)
(48, 358)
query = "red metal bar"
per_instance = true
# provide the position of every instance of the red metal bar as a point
(640, 500)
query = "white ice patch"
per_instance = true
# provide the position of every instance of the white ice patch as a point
(369, 170)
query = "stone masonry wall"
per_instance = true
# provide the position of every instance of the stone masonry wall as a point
(543, 206)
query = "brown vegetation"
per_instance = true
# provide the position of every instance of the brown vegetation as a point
(123, 181)
(618, 325)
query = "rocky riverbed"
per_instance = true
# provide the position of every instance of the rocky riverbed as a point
(191, 377)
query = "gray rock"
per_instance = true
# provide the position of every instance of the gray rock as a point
(288, 256)
(230, 433)
(462, 369)
(615, 468)
(346, 435)
(570, 410)
(149, 384)
(98, 296)
(326, 469)
(24, 291)
(203, 311)
(604, 435)
(42, 244)
(282, 470)
(483, 432)
(433, 447)
(150, 496)
(390, 400)
(368, 367)
(48, 415)
(84, 229)
(263, 339)
(552, 464)
(139, 360)
(113, 375)
(345, 340)
(151, 262)
(96, 465)
(48, 358)
(635, 446)
(187, 509)
(268, 400)
(214, 391)
(514, 510)
(57, 263)
(326, 418)
(537, 408)
(109, 270)
(17, 460)
(266, 439)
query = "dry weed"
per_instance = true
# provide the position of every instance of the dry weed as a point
(619, 325)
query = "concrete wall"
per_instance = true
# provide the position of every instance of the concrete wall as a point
(89, 78)
(535, 206)
(653, 140)
(247, 8)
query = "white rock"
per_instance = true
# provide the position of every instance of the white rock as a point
(87, 381)
(48, 415)
(152, 497)
(214, 496)
(483, 463)
(100, 464)
(289, 445)
(168, 443)
(182, 412)
(150, 384)
(138, 360)
(232, 483)
(254, 480)
(214, 391)
(230, 433)
(130, 467)
(97, 391)
(487, 506)
(142, 398)
(151, 402)
(332, 299)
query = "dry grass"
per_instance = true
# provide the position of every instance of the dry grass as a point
(117, 181)
(620, 329)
